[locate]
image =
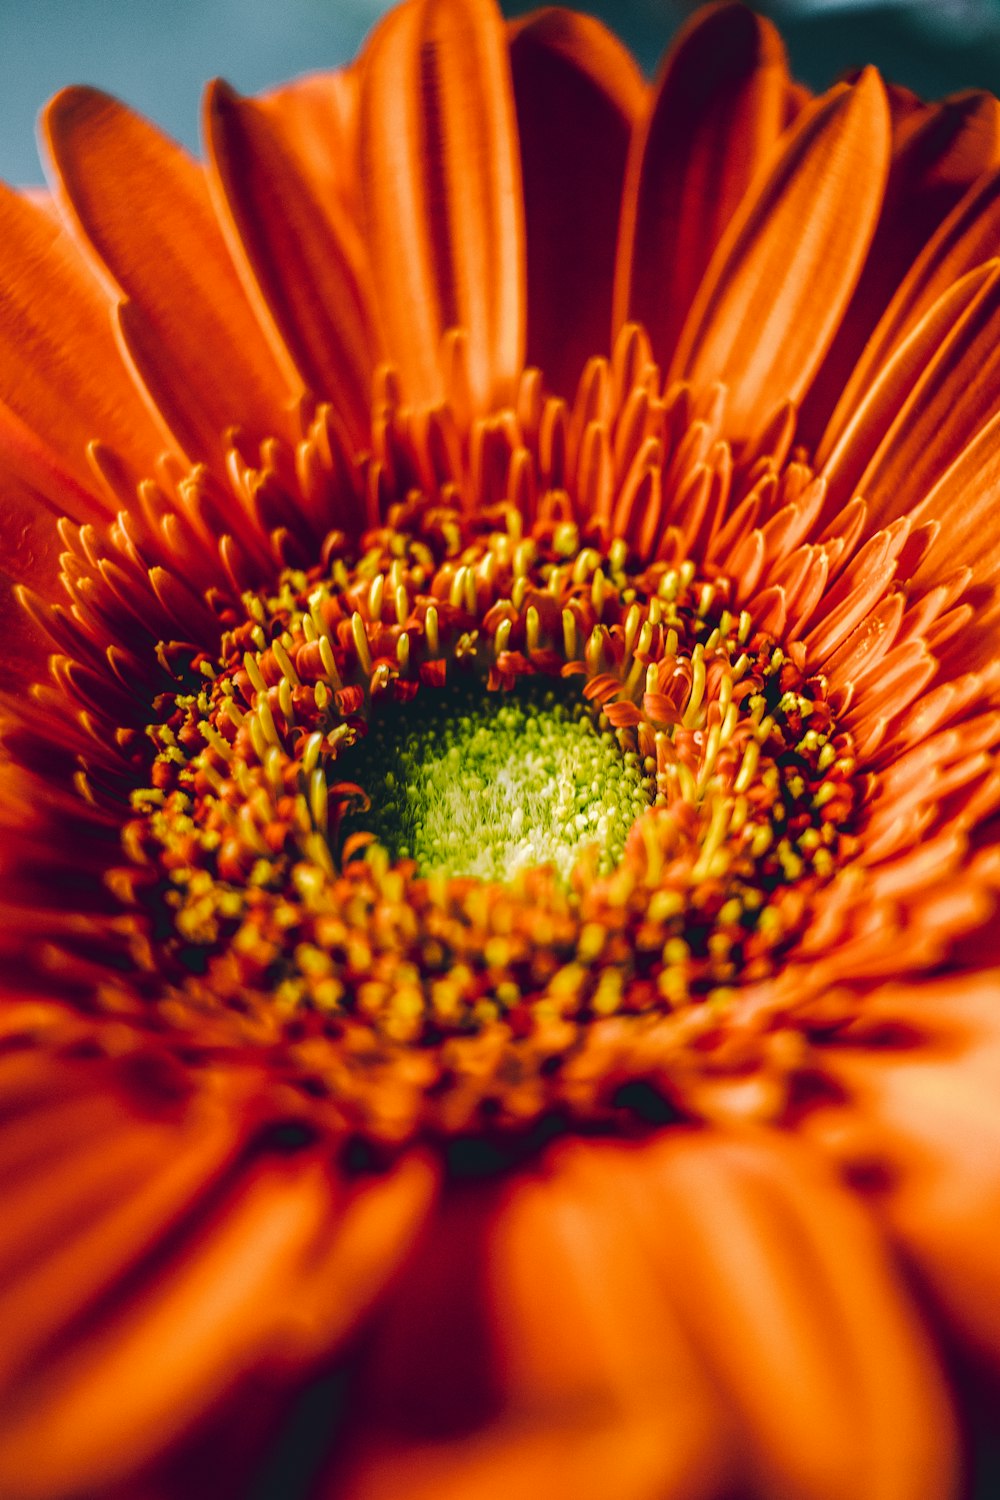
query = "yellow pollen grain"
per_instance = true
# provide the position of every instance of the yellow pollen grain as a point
(571, 641)
(359, 635)
(376, 594)
(285, 664)
(431, 631)
(329, 666)
(585, 565)
(252, 669)
(501, 636)
(456, 592)
(748, 766)
(318, 798)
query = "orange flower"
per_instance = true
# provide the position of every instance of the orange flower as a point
(498, 870)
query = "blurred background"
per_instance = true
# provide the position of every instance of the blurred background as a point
(157, 54)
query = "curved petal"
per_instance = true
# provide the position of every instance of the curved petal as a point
(158, 1248)
(577, 93)
(965, 503)
(25, 650)
(553, 1368)
(969, 236)
(883, 401)
(936, 155)
(303, 253)
(716, 117)
(957, 394)
(442, 194)
(316, 118)
(62, 381)
(927, 1113)
(781, 1280)
(35, 491)
(143, 206)
(30, 547)
(786, 267)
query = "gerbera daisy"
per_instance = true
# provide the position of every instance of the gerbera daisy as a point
(501, 709)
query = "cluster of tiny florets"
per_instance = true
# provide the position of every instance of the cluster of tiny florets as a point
(474, 779)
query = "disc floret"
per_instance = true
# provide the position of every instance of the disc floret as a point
(473, 790)
(485, 785)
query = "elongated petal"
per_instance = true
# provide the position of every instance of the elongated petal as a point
(928, 1113)
(29, 553)
(969, 236)
(556, 1370)
(965, 504)
(35, 490)
(716, 117)
(781, 1280)
(785, 269)
(304, 254)
(937, 154)
(164, 1279)
(61, 377)
(442, 193)
(969, 539)
(577, 93)
(876, 413)
(143, 206)
(316, 118)
(957, 394)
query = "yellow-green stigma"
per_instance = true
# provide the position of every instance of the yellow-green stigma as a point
(481, 784)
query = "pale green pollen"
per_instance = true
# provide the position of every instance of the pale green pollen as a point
(481, 784)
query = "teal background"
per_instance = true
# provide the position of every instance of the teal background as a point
(157, 53)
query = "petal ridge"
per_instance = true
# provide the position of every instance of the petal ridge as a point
(140, 208)
(442, 194)
(716, 115)
(577, 93)
(783, 272)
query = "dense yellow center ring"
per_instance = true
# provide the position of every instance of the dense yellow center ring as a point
(297, 797)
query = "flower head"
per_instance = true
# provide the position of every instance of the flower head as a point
(501, 721)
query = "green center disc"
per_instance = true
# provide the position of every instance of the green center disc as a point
(468, 782)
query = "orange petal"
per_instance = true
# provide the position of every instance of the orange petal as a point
(966, 503)
(929, 1112)
(33, 492)
(577, 93)
(102, 1202)
(781, 1279)
(62, 380)
(304, 254)
(25, 650)
(317, 120)
(845, 462)
(272, 1274)
(786, 267)
(936, 155)
(968, 237)
(957, 394)
(542, 1300)
(442, 194)
(143, 206)
(717, 114)
(557, 1459)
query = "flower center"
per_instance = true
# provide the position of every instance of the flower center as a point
(480, 784)
(449, 818)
